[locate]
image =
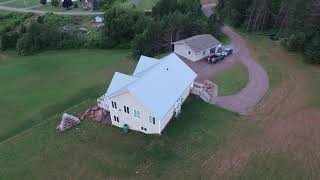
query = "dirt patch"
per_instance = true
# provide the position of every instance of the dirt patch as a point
(284, 121)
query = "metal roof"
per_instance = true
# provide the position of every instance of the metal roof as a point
(200, 43)
(159, 86)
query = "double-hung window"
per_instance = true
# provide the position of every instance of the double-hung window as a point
(136, 113)
(126, 109)
(114, 104)
(152, 120)
(115, 118)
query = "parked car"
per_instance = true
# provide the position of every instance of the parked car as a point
(215, 58)
(227, 52)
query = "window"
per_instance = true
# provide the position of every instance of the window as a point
(136, 113)
(143, 128)
(114, 104)
(126, 109)
(116, 119)
(152, 120)
(189, 52)
(204, 53)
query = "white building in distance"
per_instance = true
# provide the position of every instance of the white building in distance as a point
(197, 47)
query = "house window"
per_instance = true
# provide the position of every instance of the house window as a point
(126, 109)
(143, 128)
(136, 113)
(116, 119)
(152, 120)
(189, 52)
(204, 53)
(114, 104)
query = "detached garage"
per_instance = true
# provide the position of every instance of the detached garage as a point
(197, 47)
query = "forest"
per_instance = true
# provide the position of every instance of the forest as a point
(296, 23)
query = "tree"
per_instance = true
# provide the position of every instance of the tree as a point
(55, 3)
(214, 25)
(123, 25)
(67, 3)
(312, 51)
(43, 2)
(149, 42)
(164, 7)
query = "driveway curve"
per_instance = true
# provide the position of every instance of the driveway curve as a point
(245, 100)
(74, 13)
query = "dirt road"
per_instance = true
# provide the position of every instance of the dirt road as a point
(258, 84)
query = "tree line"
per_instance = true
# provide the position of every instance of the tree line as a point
(295, 22)
(170, 20)
(146, 34)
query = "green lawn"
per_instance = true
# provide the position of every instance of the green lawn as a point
(266, 166)
(41, 85)
(141, 4)
(232, 80)
(39, 88)
(23, 3)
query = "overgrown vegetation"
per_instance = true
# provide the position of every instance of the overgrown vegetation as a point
(171, 20)
(30, 34)
(296, 23)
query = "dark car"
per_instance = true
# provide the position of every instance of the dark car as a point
(215, 58)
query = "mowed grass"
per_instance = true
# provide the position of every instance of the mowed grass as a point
(141, 5)
(232, 80)
(265, 166)
(22, 3)
(39, 88)
(34, 87)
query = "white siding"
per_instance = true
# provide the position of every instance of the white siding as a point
(183, 50)
(134, 123)
(164, 122)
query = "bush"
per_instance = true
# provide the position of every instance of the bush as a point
(43, 2)
(67, 3)
(312, 51)
(42, 36)
(9, 40)
(75, 5)
(296, 42)
(55, 3)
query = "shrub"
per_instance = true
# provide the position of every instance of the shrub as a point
(43, 2)
(9, 40)
(312, 51)
(296, 42)
(75, 5)
(67, 3)
(55, 3)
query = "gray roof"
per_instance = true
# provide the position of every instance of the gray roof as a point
(200, 43)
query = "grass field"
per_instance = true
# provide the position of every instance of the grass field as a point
(22, 3)
(232, 80)
(44, 84)
(39, 88)
(141, 5)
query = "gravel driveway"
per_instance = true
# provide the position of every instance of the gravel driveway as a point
(258, 83)
(245, 100)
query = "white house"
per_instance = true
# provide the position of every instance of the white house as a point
(146, 100)
(197, 47)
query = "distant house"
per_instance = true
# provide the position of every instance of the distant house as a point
(146, 100)
(197, 47)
